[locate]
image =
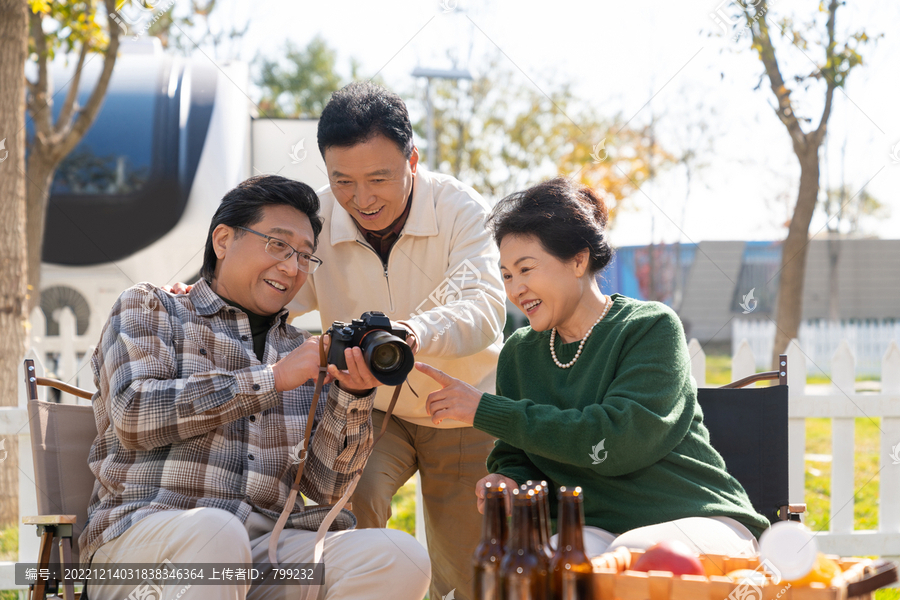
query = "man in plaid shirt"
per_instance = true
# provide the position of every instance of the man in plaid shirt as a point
(201, 410)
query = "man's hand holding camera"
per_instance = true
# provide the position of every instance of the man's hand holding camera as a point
(302, 364)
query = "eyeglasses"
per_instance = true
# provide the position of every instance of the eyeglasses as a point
(281, 250)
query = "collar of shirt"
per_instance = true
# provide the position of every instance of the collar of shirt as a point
(207, 302)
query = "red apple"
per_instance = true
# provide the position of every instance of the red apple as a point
(670, 556)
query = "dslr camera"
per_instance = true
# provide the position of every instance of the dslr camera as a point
(382, 342)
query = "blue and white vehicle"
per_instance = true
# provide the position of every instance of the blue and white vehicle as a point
(133, 200)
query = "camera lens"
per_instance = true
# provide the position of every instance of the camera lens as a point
(387, 358)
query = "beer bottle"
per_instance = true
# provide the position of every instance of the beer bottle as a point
(571, 568)
(540, 493)
(546, 528)
(490, 550)
(523, 571)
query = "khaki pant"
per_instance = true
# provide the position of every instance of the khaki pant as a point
(450, 463)
(372, 563)
(703, 535)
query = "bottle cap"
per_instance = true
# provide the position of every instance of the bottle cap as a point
(790, 548)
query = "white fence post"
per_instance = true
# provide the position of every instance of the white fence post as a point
(843, 381)
(889, 488)
(698, 362)
(796, 425)
(743, 364)
(68, 362)
(29, 543)
(85, 376)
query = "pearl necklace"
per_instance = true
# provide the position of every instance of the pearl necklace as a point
(583, 340)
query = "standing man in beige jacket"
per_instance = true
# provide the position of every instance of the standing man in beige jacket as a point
(411, 244)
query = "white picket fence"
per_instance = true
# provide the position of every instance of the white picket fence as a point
(867, 339)
(841, 403)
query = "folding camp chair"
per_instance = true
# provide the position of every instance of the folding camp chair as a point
(61, 438)
(749, 428)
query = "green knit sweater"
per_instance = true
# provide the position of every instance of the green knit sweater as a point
(623, 423)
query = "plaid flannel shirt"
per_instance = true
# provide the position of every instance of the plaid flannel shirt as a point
(188, 417)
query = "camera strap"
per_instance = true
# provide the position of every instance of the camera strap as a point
(295, 488)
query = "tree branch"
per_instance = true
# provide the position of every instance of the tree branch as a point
(785, 110)
(819, 133)
(72, 94)
(86, 116)
(39, 104)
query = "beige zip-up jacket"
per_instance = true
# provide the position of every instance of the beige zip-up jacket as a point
(442, 278)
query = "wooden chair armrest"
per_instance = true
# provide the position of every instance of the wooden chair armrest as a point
(50, 520)
(64, 387)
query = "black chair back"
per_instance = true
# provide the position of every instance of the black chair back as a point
(749, 428)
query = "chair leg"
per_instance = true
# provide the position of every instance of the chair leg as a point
(40, 586)
(65, 555)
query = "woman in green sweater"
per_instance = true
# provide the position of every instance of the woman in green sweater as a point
(597, 392)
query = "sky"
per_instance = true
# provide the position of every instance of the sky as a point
(639, 59)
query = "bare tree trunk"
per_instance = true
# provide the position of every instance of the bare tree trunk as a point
(13, 293)
(793, 255)
(40, 176)
(834, 255)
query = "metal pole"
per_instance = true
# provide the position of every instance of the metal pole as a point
(432, 144)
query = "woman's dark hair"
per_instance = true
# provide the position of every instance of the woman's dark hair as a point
(563, 216)
(243, 207)
(359, 111)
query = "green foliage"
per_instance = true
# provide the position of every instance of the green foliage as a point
(68, 26)
(500, 134)
(301, 84)
(844, 208)
(403, 508)
(9, 543)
